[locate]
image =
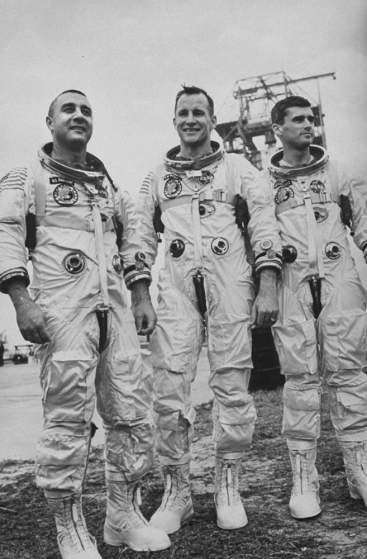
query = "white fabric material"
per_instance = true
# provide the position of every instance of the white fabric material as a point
(334, 345)
(125, 524)
(305, 500)
(176, 506)
(73, 371)
(73, 538)
(231, 513)
(355, 462)
(229, 289)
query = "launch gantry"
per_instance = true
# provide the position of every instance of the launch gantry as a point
(256, 96)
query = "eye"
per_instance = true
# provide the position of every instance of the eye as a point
(86, 111)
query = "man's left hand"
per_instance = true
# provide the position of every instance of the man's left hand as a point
(265, 308)
(142, 308)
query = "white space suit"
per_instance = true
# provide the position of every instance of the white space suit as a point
(322, 318)
(78, 283)
(201, 235)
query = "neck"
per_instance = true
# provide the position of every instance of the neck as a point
(194, 151)
(296, 157)
(72, 158)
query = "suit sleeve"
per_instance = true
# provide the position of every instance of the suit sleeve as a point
(134, 260)
(147, 208)
(13, 208)
(262, 227)
(355, 188)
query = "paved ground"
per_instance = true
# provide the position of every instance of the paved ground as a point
(20, 407)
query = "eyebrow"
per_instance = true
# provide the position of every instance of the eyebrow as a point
(195, 109)
(72, 104)
(299, 117)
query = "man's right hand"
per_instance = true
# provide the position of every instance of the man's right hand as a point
(30, 318)
(31, 322)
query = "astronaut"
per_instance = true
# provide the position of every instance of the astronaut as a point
(206, 286)
(81, 230)
(321, 330)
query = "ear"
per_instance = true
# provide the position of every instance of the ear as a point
(174, 122)
(214, 121)
(49, 123)
(277, 129)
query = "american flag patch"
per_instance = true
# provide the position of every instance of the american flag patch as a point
(14, 179)
(146, 185)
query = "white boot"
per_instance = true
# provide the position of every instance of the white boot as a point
(304, 501)
(176, 505)
(125, 524)
(73, 538)
(355, 462)
(231, 513)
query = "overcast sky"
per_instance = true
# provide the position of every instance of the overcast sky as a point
(131, 57)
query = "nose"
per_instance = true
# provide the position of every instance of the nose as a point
(78, 115)
(190, 117)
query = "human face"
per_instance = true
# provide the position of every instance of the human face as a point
(298, 128)
(71, 123)
(193, 120)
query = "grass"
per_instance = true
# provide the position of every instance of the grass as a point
(27, 530)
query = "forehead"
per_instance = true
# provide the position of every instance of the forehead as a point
(72, 98)
(194, 101)
(293, 112)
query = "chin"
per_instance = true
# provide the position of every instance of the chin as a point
(303, 145)
(77, 143)
(191, 139)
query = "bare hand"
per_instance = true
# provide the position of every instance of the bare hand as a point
(265, 309)
(142, 309)
(145, 318)
(31, 322)
(30, 318)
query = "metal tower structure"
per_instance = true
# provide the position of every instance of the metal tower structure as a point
(256, 96)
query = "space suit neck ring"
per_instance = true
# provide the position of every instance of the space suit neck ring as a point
(80, 175)
(173, 164)
(319, 160)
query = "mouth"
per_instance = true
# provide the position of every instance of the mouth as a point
(78, 128)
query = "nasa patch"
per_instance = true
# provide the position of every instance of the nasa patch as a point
(283, 194)
(172, 186)
(65, 194)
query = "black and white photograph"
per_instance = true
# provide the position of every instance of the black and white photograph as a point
(183, 279)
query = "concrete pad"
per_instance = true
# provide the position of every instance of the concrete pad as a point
(21, 408)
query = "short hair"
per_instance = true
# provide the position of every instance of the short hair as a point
(193, 90)
(52, 105)
(280, 108)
